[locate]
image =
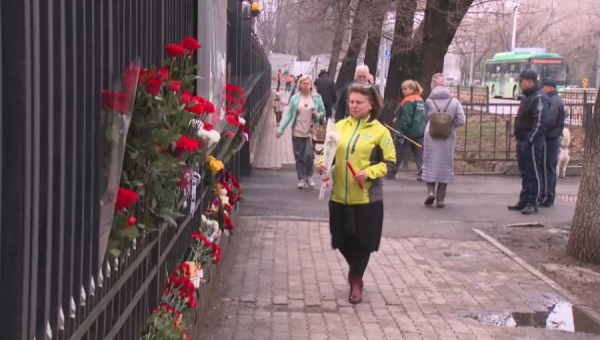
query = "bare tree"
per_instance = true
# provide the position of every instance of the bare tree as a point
(357, 39)
(343, 11)
(584, 241)
(401, 47)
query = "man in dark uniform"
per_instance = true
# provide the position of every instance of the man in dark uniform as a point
(326, 88)
(556, 124)
(530, 132)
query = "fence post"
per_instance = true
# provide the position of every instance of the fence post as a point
(472, 99)
(589, 121)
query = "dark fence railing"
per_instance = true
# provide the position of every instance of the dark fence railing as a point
(57, 57)
(249, 68)
(486, 142)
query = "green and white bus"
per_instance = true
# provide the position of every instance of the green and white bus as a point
(501, 74)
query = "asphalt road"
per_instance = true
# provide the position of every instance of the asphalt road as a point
(472, 202)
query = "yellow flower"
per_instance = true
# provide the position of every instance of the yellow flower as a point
(216, 166)
(213, 164)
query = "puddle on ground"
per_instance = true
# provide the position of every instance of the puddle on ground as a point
(561, 316)
(451, 253)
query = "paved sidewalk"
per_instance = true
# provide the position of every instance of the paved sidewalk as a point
(287, 283)
(273, 153)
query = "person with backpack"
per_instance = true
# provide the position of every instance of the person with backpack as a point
(410, 122)
(444, 114)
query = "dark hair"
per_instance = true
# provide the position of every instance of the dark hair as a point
(374, 97)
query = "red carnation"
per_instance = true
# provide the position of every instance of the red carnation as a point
(233, 120)
(234, 88)
(209, 107)
(143, 77)
(190, 44)
(245, 129)
(125, 198)
(230, 134)
(153, 86)
(185, 144)
(230, 98)
(196, 109)
(163, 73)
(115, 101)
(207, 126)
(193, 302)
(175, 50)
(129, 81)
(175, 85)
(186, 97)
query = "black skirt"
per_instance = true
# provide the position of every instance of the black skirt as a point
(360, 224)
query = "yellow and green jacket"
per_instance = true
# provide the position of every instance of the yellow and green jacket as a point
(369, 147)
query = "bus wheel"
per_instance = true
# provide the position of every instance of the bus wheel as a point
(515, 94)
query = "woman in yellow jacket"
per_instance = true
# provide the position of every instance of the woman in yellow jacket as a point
(355, 213)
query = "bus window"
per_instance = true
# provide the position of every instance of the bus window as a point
(558, 72)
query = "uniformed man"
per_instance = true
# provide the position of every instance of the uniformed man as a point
(556, 124)
(530, 132)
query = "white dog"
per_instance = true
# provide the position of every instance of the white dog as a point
(563, 155)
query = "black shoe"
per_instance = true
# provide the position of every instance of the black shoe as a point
(517, 207)
(529, 210)
(546, 205)
(430, 194)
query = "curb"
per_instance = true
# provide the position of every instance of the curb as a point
(284, 218)
(580, 304)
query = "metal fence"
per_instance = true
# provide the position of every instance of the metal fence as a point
(486, 142)
(57, 57)
(250, 68)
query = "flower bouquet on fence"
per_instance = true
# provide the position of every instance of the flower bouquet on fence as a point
(332, 138)
(167, 140)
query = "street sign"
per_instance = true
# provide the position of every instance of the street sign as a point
(584, 83)
(388, 54)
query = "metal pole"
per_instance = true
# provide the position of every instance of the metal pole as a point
(514, 32)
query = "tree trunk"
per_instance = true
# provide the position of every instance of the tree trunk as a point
(403, 31)
(584, 241)
(357, 39)
(373, 41)
(340, 29)
(438, 32)
(435, 26)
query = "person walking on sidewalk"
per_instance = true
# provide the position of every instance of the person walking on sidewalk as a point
(277, 107)
(326, 88)
(360, 77)
(556, 125)
(410, 122)
(356, 206)
(278, 78)
(530, 132)
(438, 155)
(306, 108)
(288, 82)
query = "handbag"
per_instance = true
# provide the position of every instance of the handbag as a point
(440, 122)
(319, 131)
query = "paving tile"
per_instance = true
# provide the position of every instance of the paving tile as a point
(287, 283)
